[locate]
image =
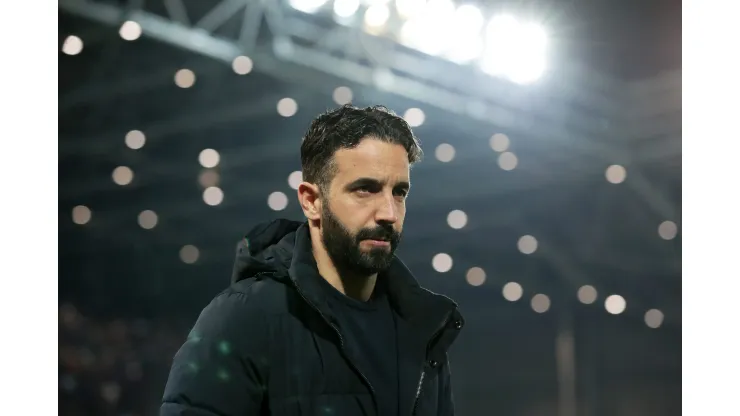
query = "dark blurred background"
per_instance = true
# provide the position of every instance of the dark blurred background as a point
(548, 205)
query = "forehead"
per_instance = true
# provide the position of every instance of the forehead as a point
(373, 158)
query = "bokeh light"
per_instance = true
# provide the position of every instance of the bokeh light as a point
(512, 291)
(81, 215)
(277, 201)
(189, 254)
(287, 107)
(616, 174)
(184, 78)
(444, 152)
(242, 65)
(72, 45)
(457, 219)
(615, 304)
(135, 139)
(668, 230)
(123, 175)
(540, 303)
(148, 219)
(130, 30)
(499, 142)
(414, 116)
(654, 318)
(213, 196)
(209, 158)
(587, 294)
(475, 276)
(295, 179)
(527, 244)
(442, 262)
(110, 391)
(507, 161)
(342, 95)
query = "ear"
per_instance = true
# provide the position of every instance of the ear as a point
(310, 200)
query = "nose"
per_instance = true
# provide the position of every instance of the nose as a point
(387, 212)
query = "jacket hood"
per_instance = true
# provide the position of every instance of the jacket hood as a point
(267, 248)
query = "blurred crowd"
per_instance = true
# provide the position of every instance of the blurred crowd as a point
(113, 367)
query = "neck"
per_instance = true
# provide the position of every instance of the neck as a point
(355, 286)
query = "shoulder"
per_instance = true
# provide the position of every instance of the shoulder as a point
(241, 313)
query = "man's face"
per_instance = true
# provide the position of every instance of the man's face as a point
(362, 217)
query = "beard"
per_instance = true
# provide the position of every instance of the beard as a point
(344, 248)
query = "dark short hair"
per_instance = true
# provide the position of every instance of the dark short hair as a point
(344, 128)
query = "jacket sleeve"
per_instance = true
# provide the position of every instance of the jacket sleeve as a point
(220, 370)
(446, 401)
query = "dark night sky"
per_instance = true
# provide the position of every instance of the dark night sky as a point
(631, 39)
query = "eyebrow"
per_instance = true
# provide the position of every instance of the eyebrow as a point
(370, 181)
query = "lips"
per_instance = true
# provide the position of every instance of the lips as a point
(378, 242)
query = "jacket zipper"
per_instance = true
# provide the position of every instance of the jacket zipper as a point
(423, 366)
(341, 345)
(418, 390)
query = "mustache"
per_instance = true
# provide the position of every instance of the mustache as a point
(378, 233)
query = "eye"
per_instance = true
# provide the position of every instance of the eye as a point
(401, 192)
(363, 190)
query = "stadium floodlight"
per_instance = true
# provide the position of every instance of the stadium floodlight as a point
(307, 6)
(407, 9)
(465, 32)
(514, 50)
(426, 31)
(346, 8)
(376, 15)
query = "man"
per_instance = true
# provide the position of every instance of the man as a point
(321, 317)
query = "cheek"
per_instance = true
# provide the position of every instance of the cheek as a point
(401, 216)
(351, 214)
(402, 210)
(357, 208)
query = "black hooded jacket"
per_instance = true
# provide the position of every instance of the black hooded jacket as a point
(268, 345)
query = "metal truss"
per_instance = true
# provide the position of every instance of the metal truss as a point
(548, 111)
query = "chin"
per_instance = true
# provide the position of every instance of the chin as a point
(376, 254)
